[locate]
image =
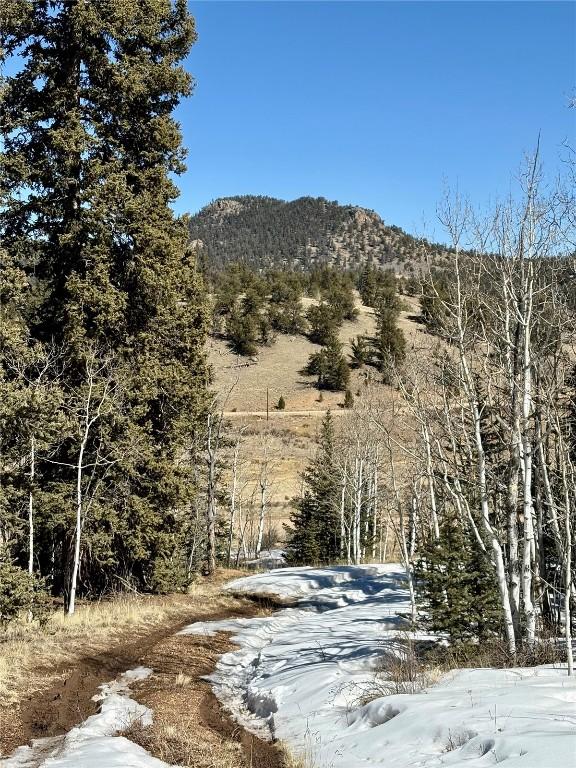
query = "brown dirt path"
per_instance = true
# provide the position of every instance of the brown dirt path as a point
(190, 728)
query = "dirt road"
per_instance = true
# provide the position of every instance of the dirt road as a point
(274, 414)
(190, 728)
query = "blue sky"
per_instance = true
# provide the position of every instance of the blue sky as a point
(375, 103)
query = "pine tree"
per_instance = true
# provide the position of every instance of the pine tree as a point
(456, 585)
(315, 530)
(359, 351)
(323, 323)
(89, 150)
(389, 343)
(330, 366)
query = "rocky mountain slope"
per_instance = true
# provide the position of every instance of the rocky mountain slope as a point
(309, 231)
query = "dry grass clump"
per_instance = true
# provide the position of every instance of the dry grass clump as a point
(177, 745)
(32, 658)
(408, 666)
(546, 650)
(290, 760)
(402, 669)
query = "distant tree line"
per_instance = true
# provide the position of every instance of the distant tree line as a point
(250, 308)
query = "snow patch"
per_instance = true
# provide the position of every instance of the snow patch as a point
(94, 743)
(300, 674)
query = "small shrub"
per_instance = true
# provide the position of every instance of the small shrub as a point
(21, 592)
(169, 575)
(271, 537)
(281, 403)
(402, 669)
(494, 653)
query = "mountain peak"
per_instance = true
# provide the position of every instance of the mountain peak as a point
(309, 231)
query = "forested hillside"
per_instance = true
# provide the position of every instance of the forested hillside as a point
(310, 231)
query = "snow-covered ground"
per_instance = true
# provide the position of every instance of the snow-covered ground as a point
(94, 743)
(268, 558)
(299, 675)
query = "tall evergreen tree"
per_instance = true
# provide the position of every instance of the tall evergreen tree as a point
(315, 530)
(323, 321)
(89, 150)
(389, 342)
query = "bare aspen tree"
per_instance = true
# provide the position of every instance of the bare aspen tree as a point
(267, 465)
(95, 399)
(213, 445)
(37, 373)
(235, 492)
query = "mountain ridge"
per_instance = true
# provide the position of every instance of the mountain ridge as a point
(303, 233)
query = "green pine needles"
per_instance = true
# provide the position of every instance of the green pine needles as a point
(315, 529)
(456, 585)
(102, 297)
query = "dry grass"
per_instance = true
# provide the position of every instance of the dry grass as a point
(177, 745)
(409, 667)
(546, 650)
(278, 371)
(292, 431)
(32, 658)
(402, 669)
(290, 760)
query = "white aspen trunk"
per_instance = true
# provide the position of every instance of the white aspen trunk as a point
(512, 352)
(431, 486)
(342, 511)
(568, 578)
(550, 502)
(31, 507)
(498, 558)
(78, 532)
(211, 500)
(242, 546)
(233, 501)
(497, 554)
(386, 536)
(528, 503)
(261, 518)
(404, 545)
(413, 521)
(375, 511)
(367, 519)
(358, 511)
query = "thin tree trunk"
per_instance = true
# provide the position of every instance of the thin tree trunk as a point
(262, 514)
(78, 532)
(342, 510)
(375, 510)
(31, 507)
(497, 554)
(211, 499)
(528, 503)
(568, 566)
(233, 500)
